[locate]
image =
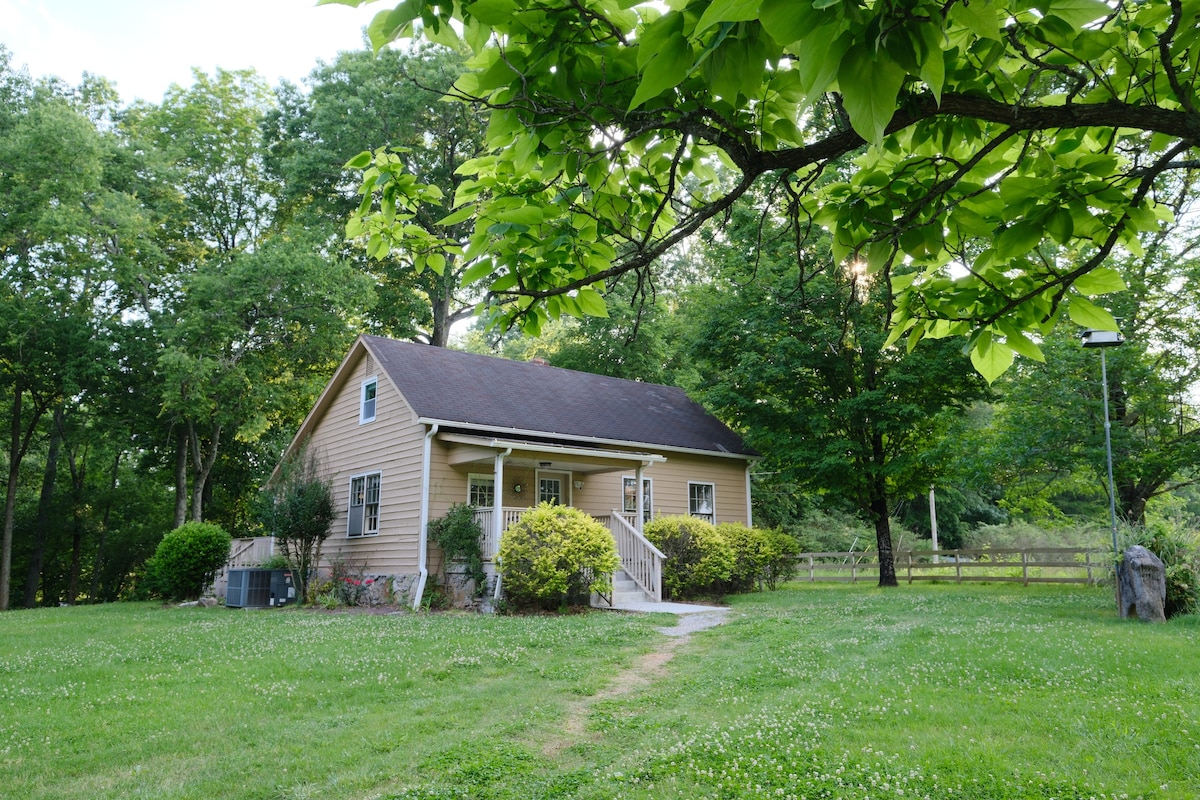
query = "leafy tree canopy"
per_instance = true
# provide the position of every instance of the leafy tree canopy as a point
(1003, 148)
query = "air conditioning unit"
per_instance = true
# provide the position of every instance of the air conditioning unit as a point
(260, 588)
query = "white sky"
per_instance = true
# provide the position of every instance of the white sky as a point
(144, 46)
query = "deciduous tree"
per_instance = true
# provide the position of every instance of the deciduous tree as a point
(1003, 150)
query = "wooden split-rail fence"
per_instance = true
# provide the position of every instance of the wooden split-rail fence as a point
(1024, 565)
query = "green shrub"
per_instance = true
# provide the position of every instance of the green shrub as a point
(187, 559)
(1179, 550)
(698, 560)
(779, 560)
(460, 538)
(555, 556)
(749, 549)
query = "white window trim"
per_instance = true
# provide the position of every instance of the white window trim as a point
(349, 505)
(363, 419)
(648, 509)
(484, 476)
(568, 488)
(713, 487)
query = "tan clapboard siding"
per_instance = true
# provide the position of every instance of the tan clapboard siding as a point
(602, 493)
(391, 445)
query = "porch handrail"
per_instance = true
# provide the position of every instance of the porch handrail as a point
(483, 516)
(640, 559)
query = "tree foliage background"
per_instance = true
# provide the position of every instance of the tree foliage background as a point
(812, 215)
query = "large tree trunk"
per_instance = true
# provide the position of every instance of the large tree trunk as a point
(181, 482)
(202, 464)
(883, 543)
(45, 503)
(94, 593)
(880, 511)
(17, 447)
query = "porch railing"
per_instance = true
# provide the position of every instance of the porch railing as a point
(641, 560)
(485, 517)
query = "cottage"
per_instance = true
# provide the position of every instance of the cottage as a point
(407, 430)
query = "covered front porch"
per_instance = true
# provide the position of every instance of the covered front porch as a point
(583, 477)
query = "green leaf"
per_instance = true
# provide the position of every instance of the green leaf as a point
(387, 26)
(728, 11)
(477, 271)
(493, 12)
(462, 215)
(1078, 13)
(667, 57)
(1099, 281)
(1087, 314)
(360, 161)
(592, 302)
(1019, 342)
(979, 17)
(991, 359)
(1018, 240)
(869, 83)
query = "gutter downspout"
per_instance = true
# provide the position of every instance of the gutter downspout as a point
(639, 507)
(498, 512)
(423, 546)
(749, 504)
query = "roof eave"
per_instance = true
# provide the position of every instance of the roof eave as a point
(589, 439)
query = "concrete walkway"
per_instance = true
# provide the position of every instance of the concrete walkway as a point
(650, 607)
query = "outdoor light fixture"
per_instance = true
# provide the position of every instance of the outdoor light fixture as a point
(578, 484)
(1094, 338)
(1105, 339)
(516, 488)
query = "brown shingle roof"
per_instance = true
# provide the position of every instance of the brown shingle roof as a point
(498, 394)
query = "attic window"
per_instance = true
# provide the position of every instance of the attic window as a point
(366, 413)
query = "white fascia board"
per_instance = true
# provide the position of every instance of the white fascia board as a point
(561, 450)
(591, 439)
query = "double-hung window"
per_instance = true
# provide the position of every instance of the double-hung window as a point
(366, 408)
(701, 501)
(363, 518)
(481, 492)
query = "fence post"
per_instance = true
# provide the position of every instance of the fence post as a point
(853, 568)
(1087, 562)
(958, 566)
(1025, 566)
(812, 578)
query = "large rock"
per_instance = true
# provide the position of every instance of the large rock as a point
(1143, 585)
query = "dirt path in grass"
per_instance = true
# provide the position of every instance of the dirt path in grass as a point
(643, 672)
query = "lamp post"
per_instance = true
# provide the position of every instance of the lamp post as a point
(1104, 340)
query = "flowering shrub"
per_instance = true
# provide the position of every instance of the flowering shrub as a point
(698, 559)
(348, 586)
(555, 556)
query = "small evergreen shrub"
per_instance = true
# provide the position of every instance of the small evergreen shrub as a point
(698, 560)
(187, 559)
(460, 538)
(555, 556)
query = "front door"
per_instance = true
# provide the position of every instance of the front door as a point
(554, 487)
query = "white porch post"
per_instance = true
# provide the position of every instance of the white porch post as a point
(641, 496)
(498, 501)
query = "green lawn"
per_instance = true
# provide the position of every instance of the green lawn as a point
(812, 691)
